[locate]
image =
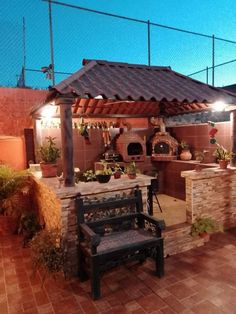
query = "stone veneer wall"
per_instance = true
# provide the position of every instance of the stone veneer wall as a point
(211, 193)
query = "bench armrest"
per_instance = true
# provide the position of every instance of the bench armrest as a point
(93, 238)
(158, 223)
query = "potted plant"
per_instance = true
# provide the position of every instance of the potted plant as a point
(203, 226)
(87, 176)
(117, 171)
(104, 175)
(223, 156)
(49, 154)
(131, 170)
(15, 188)
(47, 252)
(185, 152)
(29, 226)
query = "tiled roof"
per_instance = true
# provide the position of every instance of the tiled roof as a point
(104, 88)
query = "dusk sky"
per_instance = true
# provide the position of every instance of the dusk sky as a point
(79, 34)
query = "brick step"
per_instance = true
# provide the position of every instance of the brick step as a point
(177, 239)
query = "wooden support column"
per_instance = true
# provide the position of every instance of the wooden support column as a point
(233, 136)
(65, 104)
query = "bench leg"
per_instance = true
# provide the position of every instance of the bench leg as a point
(95, 280)
(160, 259)
(81, 271)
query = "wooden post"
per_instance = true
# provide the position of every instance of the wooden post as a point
(65, 104)
(233, 136)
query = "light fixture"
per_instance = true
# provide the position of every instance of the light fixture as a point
(219, 106)
(48, 111)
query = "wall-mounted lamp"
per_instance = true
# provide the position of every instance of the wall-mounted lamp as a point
(48, 111)
(218, 106)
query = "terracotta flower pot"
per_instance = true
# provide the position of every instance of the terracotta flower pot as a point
(205, 236)
(8, 225)
(131, 175)
(185, 155)
(49, 170)
(223, 164)
(117, 175)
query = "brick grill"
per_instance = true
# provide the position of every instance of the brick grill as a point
(164, 147)
(131, 147)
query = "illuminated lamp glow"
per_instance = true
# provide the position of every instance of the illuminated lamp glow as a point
(219, 106)
(48, 111)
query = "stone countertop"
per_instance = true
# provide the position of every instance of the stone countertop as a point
(207, 173)
(90, 188)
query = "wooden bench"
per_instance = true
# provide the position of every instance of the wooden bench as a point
(115, 230)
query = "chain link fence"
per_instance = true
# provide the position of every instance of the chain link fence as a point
(78, 34)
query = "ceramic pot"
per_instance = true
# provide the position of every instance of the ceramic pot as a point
(8, 225)
(205, 236)
(48, 170)
(131, 175)
(103, 178)
(223, 164)
(185, 155)
(117, 175)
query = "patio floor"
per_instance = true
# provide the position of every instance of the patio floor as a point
(202, 280)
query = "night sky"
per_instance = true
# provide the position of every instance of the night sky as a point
(79, 34)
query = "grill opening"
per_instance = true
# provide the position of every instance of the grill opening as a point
(134, 149)
(162, 148)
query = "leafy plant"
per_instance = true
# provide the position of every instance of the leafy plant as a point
(131, 168)
(29, 226)
(105, 170)
(202, 225)
(184, 145)
(117, 168)
(47, 251)
(48, 151)
(221, 153)
(89, 175)
(12, 183)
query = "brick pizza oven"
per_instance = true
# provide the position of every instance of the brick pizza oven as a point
(131, 147)
(164, 147)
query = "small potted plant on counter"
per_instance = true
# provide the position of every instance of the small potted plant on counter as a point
(185, 152)
(104, 175)
(223, 156)
(117, 171)
(203, 226)
(49, 154)
(131, 170)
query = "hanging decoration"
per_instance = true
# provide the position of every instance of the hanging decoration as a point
(212, 132)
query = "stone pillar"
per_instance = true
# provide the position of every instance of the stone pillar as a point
(233, 136)
(65, 104)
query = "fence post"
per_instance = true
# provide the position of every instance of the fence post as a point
(51, 40)
(207, 74)
(149, 43)
(213, 60)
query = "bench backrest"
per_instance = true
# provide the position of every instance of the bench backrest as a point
(119, 211)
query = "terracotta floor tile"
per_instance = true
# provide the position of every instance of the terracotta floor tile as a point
(202, 280)
(151, 302)
(68, 305)
(180, 290)
(206, 307)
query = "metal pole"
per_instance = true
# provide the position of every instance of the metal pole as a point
(207, 75)
(51, 40)
(149, 43)
(24, 53)
(213, 60)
